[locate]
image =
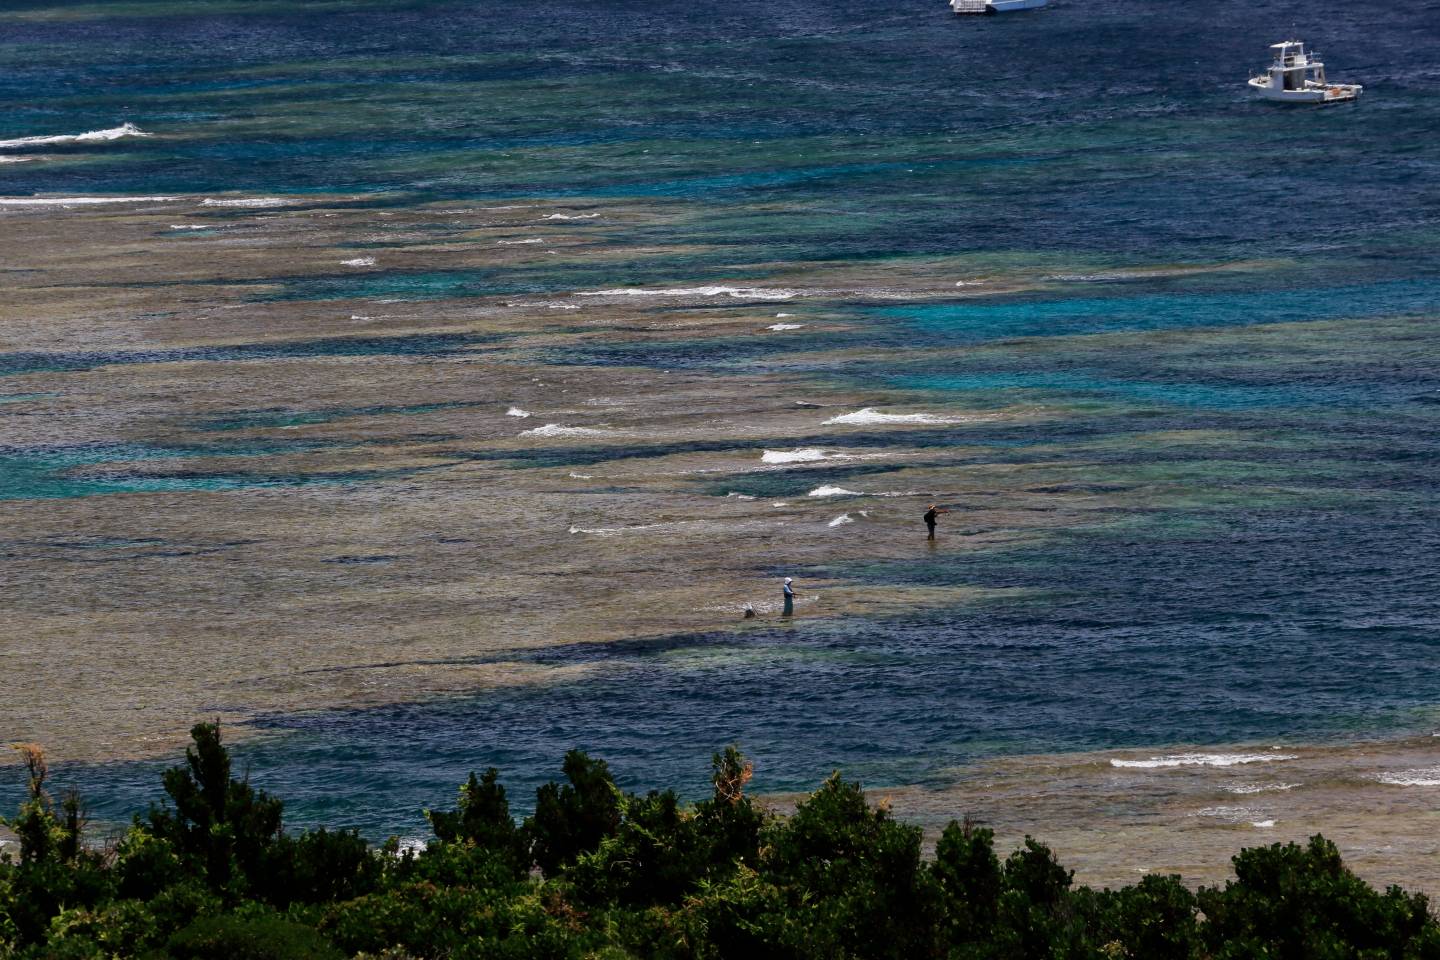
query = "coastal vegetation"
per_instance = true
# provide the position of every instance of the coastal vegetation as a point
(210, 872)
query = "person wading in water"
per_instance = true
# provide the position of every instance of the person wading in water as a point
(930, 516)
(789, 593)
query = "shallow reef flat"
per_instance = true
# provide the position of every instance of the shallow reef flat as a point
(1187, 810)
(228, 498)
(322, 466)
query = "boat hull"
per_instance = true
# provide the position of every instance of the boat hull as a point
(995, 6)
(1309, 94)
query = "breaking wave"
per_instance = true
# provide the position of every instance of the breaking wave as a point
(75, 201)
(255, 202)
(1244, 789)
(1204, 760)
(828, 491)
(869, 415)
(807, 455)
(740, 293)
(1420, 777)
(556, 430)
(92, 136)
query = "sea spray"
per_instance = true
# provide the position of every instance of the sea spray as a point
(92, 136)
(556, 430)
(739, 293)
(1203, 760)
(828, 491)
(869, 416)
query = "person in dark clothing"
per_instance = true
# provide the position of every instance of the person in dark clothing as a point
(930, 516)
(789, 593)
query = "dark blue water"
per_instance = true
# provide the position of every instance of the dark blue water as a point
(1275, 580)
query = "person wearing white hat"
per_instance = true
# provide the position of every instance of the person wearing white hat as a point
(789, 594)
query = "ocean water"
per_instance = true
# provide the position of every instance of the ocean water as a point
(1217, 317)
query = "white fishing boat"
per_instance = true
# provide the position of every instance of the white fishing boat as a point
(994, 6)
(1299, 77)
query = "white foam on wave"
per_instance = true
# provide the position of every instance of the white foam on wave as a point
(517, 412)
(869, 415)
(91, 136)
(828, 491)
(254, 202)
(841, 520)
(807, 455)
(1419, 777)
(1094, 277)
(411, 845)
(16, 159)
(1244, 789)
(359, 262)
(76, 201)
(189, 226)
(785, 326)
(1234, 815)
(581, 476)
(567, 216)
(516, 243)
(556, 430)
(618, 531)
(738, 496)
(1204, 760)
(739, 293)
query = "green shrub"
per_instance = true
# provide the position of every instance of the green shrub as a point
(220, 826)
(482, 819)
(861, 868)
(748, 916)
(655, 856)
(458, 922)
(1154, 919)
(1034, 915)
(573, 818)
(968, 875)
(729, 822)
(229, 937)
(146, 864)
(319, 866)
(629, 877)
(1289, 901)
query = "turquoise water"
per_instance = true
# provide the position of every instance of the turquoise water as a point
(1052, 316)
(1275, 583)
(60, 472)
